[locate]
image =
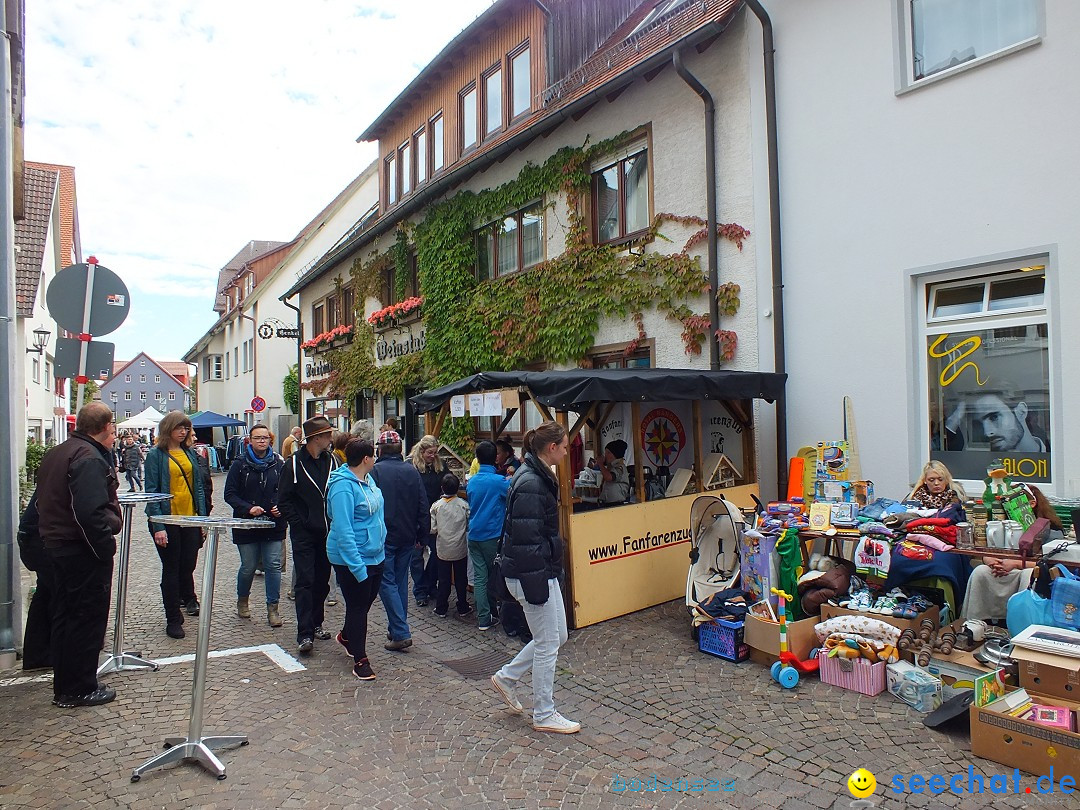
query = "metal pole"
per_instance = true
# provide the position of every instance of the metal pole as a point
(84, 346)
(10, 594)
(202, 647)
(120, 660)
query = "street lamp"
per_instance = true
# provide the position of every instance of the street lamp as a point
(41, 340)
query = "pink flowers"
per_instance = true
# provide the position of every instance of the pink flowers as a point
(397, 311)
(327, 338)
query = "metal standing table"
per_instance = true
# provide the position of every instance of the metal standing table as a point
(195, 746)
(118, 659)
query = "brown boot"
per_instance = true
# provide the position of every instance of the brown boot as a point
(242, 608)
(272, 614)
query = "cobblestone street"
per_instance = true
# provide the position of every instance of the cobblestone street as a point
(422, 735)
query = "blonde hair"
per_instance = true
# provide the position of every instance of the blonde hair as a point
(417, 454)
(943, 471)
(170, 422)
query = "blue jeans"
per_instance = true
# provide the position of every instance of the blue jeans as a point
(394, 590)
(548, 625)
(267, 554)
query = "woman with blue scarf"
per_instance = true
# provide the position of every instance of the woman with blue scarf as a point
(251, 490)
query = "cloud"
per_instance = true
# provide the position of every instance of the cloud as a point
(195, 126)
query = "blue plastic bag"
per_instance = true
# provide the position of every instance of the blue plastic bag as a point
(1065, 600)
(1026, 608)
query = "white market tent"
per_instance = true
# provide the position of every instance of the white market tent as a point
(147, 419)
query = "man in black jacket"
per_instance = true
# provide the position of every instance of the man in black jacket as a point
(78, 518)
(302, 500)
(407, 523)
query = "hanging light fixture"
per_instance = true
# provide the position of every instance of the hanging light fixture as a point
(41, 340)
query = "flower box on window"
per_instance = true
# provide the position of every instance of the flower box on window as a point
(336, 338)
(404, 312)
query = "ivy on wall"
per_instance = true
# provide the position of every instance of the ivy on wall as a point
(549, 312)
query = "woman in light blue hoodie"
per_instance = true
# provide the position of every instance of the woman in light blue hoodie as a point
(355, 546)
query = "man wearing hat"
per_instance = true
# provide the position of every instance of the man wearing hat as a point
(616, 486)
(407, 523)
(302, 500)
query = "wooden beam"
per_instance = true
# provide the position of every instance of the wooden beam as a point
(652, 74)
(581, 420)
(506, 421)
(582, 113)
(737, 409)
(607, 413)
(443, 411)
(540, 406)
(614, 94)
(639, 478)
(695, 409)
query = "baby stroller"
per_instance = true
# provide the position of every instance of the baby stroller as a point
(715, 525)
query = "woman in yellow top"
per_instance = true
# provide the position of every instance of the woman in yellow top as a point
(172, 468)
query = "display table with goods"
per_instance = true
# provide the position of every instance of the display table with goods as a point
(868, 591)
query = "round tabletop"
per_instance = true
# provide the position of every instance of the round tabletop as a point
(213, 522)
(131, 498)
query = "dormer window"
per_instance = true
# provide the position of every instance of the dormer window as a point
(493, 101)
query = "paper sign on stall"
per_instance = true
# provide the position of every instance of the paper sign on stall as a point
(493, 403)
(457, 405)
(476, 404)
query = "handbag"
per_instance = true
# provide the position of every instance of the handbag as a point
(1028, 607)
(496, 582)
(1065, 599)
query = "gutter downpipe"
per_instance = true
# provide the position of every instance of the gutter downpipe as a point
(780, 352)
(710, 201)
(299, 359)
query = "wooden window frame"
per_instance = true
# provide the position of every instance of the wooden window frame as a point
(485, 77)
(404, 155)
(616, 352)
(437, 121)
(510, 57)
(318, 319)
(392, 195)
(421, 157)
(493, 229)
(333, 311)
(462, 94)
(348, 306)
(389, 285)
(623, 236)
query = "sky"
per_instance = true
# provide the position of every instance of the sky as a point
(195, 126)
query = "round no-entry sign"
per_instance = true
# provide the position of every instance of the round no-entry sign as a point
(258, 404)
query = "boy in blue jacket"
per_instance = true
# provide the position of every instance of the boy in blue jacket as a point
(355, 545)
(487, 511)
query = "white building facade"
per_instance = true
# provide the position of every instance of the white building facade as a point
(928, 173)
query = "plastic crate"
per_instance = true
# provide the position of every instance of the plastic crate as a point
(723, 639)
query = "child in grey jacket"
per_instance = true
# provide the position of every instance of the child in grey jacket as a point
(450, 525)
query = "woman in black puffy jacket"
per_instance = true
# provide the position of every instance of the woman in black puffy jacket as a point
(532, 553)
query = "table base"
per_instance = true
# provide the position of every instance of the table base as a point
(182, 749)
(118, 662)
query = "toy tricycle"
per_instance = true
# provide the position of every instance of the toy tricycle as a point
(786, 671)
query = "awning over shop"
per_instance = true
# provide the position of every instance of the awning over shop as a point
(576, 389)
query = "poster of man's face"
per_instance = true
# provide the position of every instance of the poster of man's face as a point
(989, 397)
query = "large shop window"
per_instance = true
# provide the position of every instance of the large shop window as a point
(988, 372)
(946, 36)
(513, 243)
(621, 197)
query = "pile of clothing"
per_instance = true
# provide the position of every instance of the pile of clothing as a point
(859, 637)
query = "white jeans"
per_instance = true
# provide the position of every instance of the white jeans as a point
(548, 625)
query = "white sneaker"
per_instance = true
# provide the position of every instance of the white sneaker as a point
(558, 724)
(506, 691)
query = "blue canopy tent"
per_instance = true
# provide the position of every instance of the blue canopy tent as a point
(204, 423)
(209, 419)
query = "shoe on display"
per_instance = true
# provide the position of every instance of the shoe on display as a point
(558, 724)
(100, 696)
(175, 630)
(400, 644)
(322, 634)
(363, 671)
(306, 645)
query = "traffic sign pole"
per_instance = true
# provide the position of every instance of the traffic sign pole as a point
(84, 337)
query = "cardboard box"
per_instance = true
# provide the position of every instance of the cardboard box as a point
(858, 675)
(828, 611)
(957, 672)
(1025, 745)
(1048, 674)
(764, 636)
(915, 686)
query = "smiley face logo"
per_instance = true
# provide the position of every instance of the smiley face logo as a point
(861, 783)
